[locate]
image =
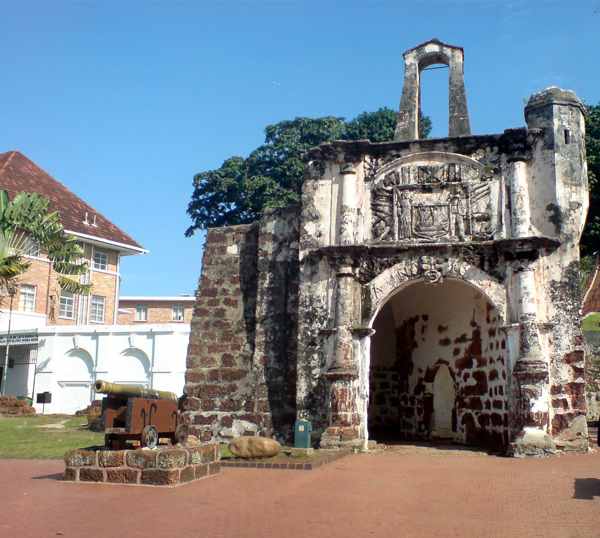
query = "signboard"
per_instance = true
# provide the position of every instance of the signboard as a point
(43, 397)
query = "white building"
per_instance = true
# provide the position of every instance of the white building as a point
(66, 361)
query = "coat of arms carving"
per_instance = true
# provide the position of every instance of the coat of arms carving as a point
(431, 202)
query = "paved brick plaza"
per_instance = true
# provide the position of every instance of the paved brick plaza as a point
(399, 492)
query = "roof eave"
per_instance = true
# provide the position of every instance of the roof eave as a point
(123, 248)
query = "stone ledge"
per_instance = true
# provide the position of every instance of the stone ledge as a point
(164, 467)
(318, 461)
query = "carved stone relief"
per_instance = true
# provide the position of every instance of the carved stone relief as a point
(444, 201)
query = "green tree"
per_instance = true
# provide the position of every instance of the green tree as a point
(271, 177)
(26, 221)
(590, 241)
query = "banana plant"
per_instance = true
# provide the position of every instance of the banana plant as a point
(27, 220)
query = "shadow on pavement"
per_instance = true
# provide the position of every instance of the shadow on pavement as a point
(433, 446)
(586, 488)
(53, 476)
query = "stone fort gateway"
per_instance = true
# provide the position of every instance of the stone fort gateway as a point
(424, 289)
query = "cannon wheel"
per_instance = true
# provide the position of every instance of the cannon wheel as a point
(149, 437)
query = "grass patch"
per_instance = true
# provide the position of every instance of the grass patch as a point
(23, 438)
(591, 323)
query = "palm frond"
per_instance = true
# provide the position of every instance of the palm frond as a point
(73, 286)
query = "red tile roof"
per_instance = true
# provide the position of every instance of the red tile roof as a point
(19, 174)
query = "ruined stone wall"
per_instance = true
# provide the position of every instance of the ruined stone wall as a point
(384, 401)
(240, 379)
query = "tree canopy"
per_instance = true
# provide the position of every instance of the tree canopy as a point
(271, 176)
(590, 241)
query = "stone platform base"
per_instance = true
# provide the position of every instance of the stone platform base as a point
(160, 467)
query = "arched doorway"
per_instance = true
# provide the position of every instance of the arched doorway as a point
(438, 366)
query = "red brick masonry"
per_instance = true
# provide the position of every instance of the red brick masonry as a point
(161, 467)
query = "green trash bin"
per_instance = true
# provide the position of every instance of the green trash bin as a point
(302, 431)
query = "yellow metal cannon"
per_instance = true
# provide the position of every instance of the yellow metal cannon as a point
(132, 391)
(134, 413)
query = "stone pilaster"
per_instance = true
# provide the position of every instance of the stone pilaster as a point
(347, 218)
(343, 372)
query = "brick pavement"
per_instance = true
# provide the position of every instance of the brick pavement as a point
(399, 492)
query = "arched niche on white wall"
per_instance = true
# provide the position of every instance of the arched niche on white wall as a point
(73, 374)
(132, 366)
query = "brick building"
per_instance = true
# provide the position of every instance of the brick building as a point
(39, 299)
(61, 343)
(147, 309)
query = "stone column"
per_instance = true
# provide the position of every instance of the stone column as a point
(347, 218)
(343, 372)
(343, 360)
(531, 369)
(407, 127)
(458, 115)
(520, 213)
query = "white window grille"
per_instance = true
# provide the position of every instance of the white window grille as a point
(100, 260)
(177, 312)
(27, 298)
(66, 307)
(97, 309)
(141, 313)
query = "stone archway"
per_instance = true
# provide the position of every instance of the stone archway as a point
(438, 366)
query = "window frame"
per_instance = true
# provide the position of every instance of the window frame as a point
(22, 295)
(181, 309)
(92, 311)
(139, 308)
(66, 294)
(100, 266)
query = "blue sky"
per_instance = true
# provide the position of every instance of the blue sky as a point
(125, 101)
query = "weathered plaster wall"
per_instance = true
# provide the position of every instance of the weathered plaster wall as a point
(449, 324)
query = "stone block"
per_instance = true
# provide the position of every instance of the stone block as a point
(195, 455)
(141, 459)
(171, 459)
(254, 447)
(122, 476)
(111, 458)
(187, 474)
(88, 474)
(160, 477)
(208, 453)
(80, 458)
(214, 468)
(71, 474)
(201, 470)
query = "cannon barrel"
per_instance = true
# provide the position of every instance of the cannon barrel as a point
(132, 391)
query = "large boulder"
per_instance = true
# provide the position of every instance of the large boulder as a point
(254, 447)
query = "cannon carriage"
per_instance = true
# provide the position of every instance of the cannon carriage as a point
(134, 413)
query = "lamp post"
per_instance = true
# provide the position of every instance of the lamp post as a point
(11, 292)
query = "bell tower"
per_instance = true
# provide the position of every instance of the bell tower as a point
(415, 60)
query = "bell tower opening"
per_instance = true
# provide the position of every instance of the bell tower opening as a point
(438, 367)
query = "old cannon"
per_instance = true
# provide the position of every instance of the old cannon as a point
(134, 413)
